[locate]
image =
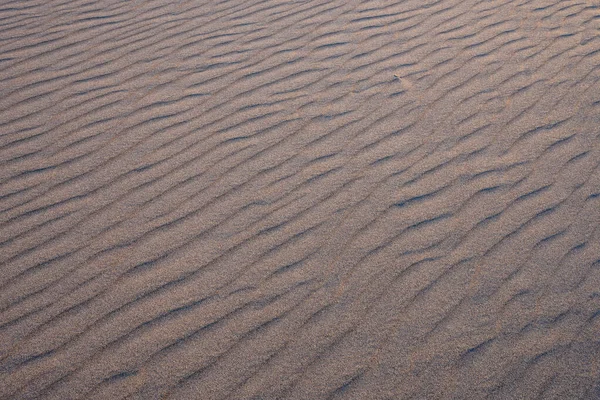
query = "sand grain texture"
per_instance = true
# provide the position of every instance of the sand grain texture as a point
(271, 199)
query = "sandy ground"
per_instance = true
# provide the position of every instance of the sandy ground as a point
(270, 199)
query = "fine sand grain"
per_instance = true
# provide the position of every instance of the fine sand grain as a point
(316, 199)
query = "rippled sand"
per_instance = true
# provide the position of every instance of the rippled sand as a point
(303, 200)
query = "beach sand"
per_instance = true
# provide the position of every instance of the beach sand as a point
(250, 199)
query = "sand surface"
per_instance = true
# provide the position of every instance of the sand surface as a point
(271, 199)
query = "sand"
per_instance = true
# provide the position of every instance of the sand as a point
(300, 199)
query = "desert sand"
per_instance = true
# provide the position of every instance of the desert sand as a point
(271, 199)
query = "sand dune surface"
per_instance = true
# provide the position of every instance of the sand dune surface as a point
(274, 199)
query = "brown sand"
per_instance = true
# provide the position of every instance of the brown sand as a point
(300, 199)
